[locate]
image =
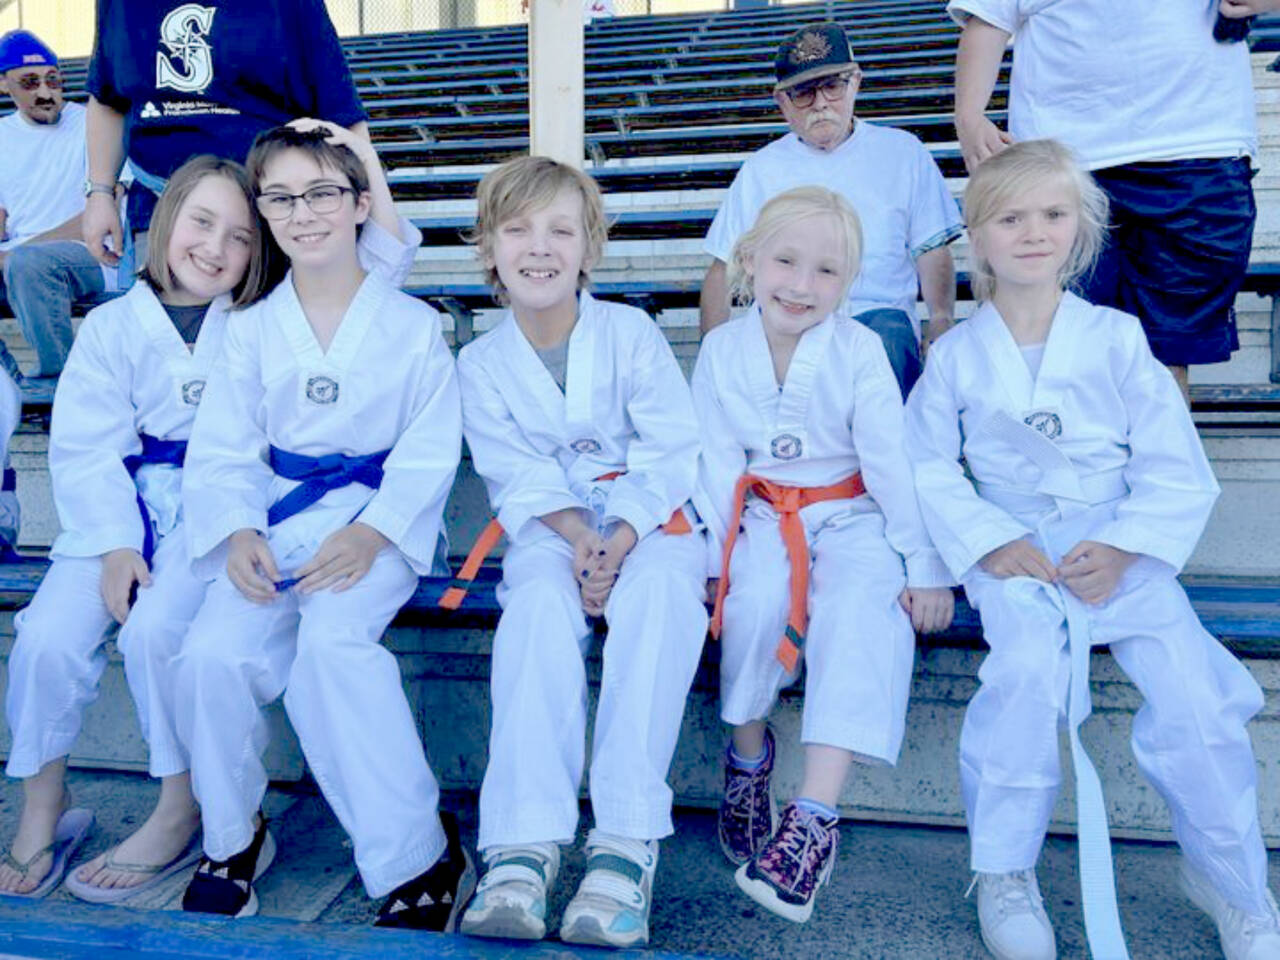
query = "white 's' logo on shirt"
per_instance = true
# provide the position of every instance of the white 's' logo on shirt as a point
(188, 63)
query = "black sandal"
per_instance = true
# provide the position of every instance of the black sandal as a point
(434, 899)
(226, 886)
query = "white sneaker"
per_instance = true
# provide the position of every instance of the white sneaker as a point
(611, 907)
(1012, 918)
(1243, 937)
(511, 900)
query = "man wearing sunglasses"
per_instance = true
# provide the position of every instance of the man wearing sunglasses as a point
(47, 268)
(908, 214)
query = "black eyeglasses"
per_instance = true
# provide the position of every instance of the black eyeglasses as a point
(31, 81)
(832, 88)
(322, 199)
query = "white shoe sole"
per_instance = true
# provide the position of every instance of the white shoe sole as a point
(504, 922)
(764, 894)
(466, 887)
(266, 854)
(586, 930)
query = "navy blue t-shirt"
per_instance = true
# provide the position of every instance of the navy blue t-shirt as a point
(207, 77)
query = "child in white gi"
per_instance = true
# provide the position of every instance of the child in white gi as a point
(122, 415)
(314, 492)
(580, 422)
(802, 447)
(1063, 482)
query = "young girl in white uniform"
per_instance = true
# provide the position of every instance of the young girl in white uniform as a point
(122, 415)
(580, 422)
(314, 495)
(1063, 481)
(802, 448)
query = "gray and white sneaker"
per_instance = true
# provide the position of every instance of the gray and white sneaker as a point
(1011, 916)
(511, 900)
(1243, 937)
(611, 907)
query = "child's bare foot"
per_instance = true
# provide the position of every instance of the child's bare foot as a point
(29, 858)
(144, 853)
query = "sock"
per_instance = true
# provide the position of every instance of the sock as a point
(817, 809)
(744, 763)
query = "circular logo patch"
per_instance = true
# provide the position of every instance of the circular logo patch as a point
(1046, 422)
(322, 390)
(786, 446)
(584, 446)
(192, 391)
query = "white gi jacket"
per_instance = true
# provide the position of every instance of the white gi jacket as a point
(839, 412)
(626, 407)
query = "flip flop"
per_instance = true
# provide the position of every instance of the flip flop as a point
(155, 875)
(73, 826)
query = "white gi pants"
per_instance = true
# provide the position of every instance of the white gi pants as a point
(343, 694)
(58, 657)
(1189, 737)
(860, 646)
(657, 625)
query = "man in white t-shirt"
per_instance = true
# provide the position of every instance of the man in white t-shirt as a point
(1162, 113)
(46, 267)
(908, 215)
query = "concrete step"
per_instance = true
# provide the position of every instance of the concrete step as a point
(896, 893)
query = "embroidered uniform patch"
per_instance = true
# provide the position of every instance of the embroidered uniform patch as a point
(192, 391)
(811, 46)
(322, 390)
(786, 446)
(1046, 422)
(584, 446)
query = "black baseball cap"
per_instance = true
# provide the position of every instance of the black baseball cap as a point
(815, 50)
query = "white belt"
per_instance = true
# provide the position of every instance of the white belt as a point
(1062, 486)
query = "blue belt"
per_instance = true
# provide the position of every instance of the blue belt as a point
(10, 481)
(154, 450)
(319, 475)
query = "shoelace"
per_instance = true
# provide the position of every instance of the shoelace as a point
(799, 836)
(1260, 926)
(738, 794)
(1011, 892)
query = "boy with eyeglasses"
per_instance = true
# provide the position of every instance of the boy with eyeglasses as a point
(314, 493)
(888, 176)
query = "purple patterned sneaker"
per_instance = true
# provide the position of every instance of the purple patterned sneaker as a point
(747, 815)
(785, 876)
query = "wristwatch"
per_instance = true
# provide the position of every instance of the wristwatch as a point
(90, 188)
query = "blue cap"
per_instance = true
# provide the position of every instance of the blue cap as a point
(20, 48)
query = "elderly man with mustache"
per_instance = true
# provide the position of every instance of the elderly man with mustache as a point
(908, 214)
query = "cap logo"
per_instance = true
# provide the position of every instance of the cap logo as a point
(810, 46)
(33, 58)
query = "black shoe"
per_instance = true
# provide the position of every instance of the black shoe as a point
(226, 886)
(433, 900)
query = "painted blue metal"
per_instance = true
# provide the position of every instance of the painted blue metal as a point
(70, 931)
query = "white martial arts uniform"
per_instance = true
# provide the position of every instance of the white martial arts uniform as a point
(626, 407)
(838, 413)
(386, 382)
(129, 373)
(1104, 405)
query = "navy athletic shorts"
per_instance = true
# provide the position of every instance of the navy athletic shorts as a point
(1176, 253)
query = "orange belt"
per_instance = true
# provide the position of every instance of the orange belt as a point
(451, 599)
(788, 501)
